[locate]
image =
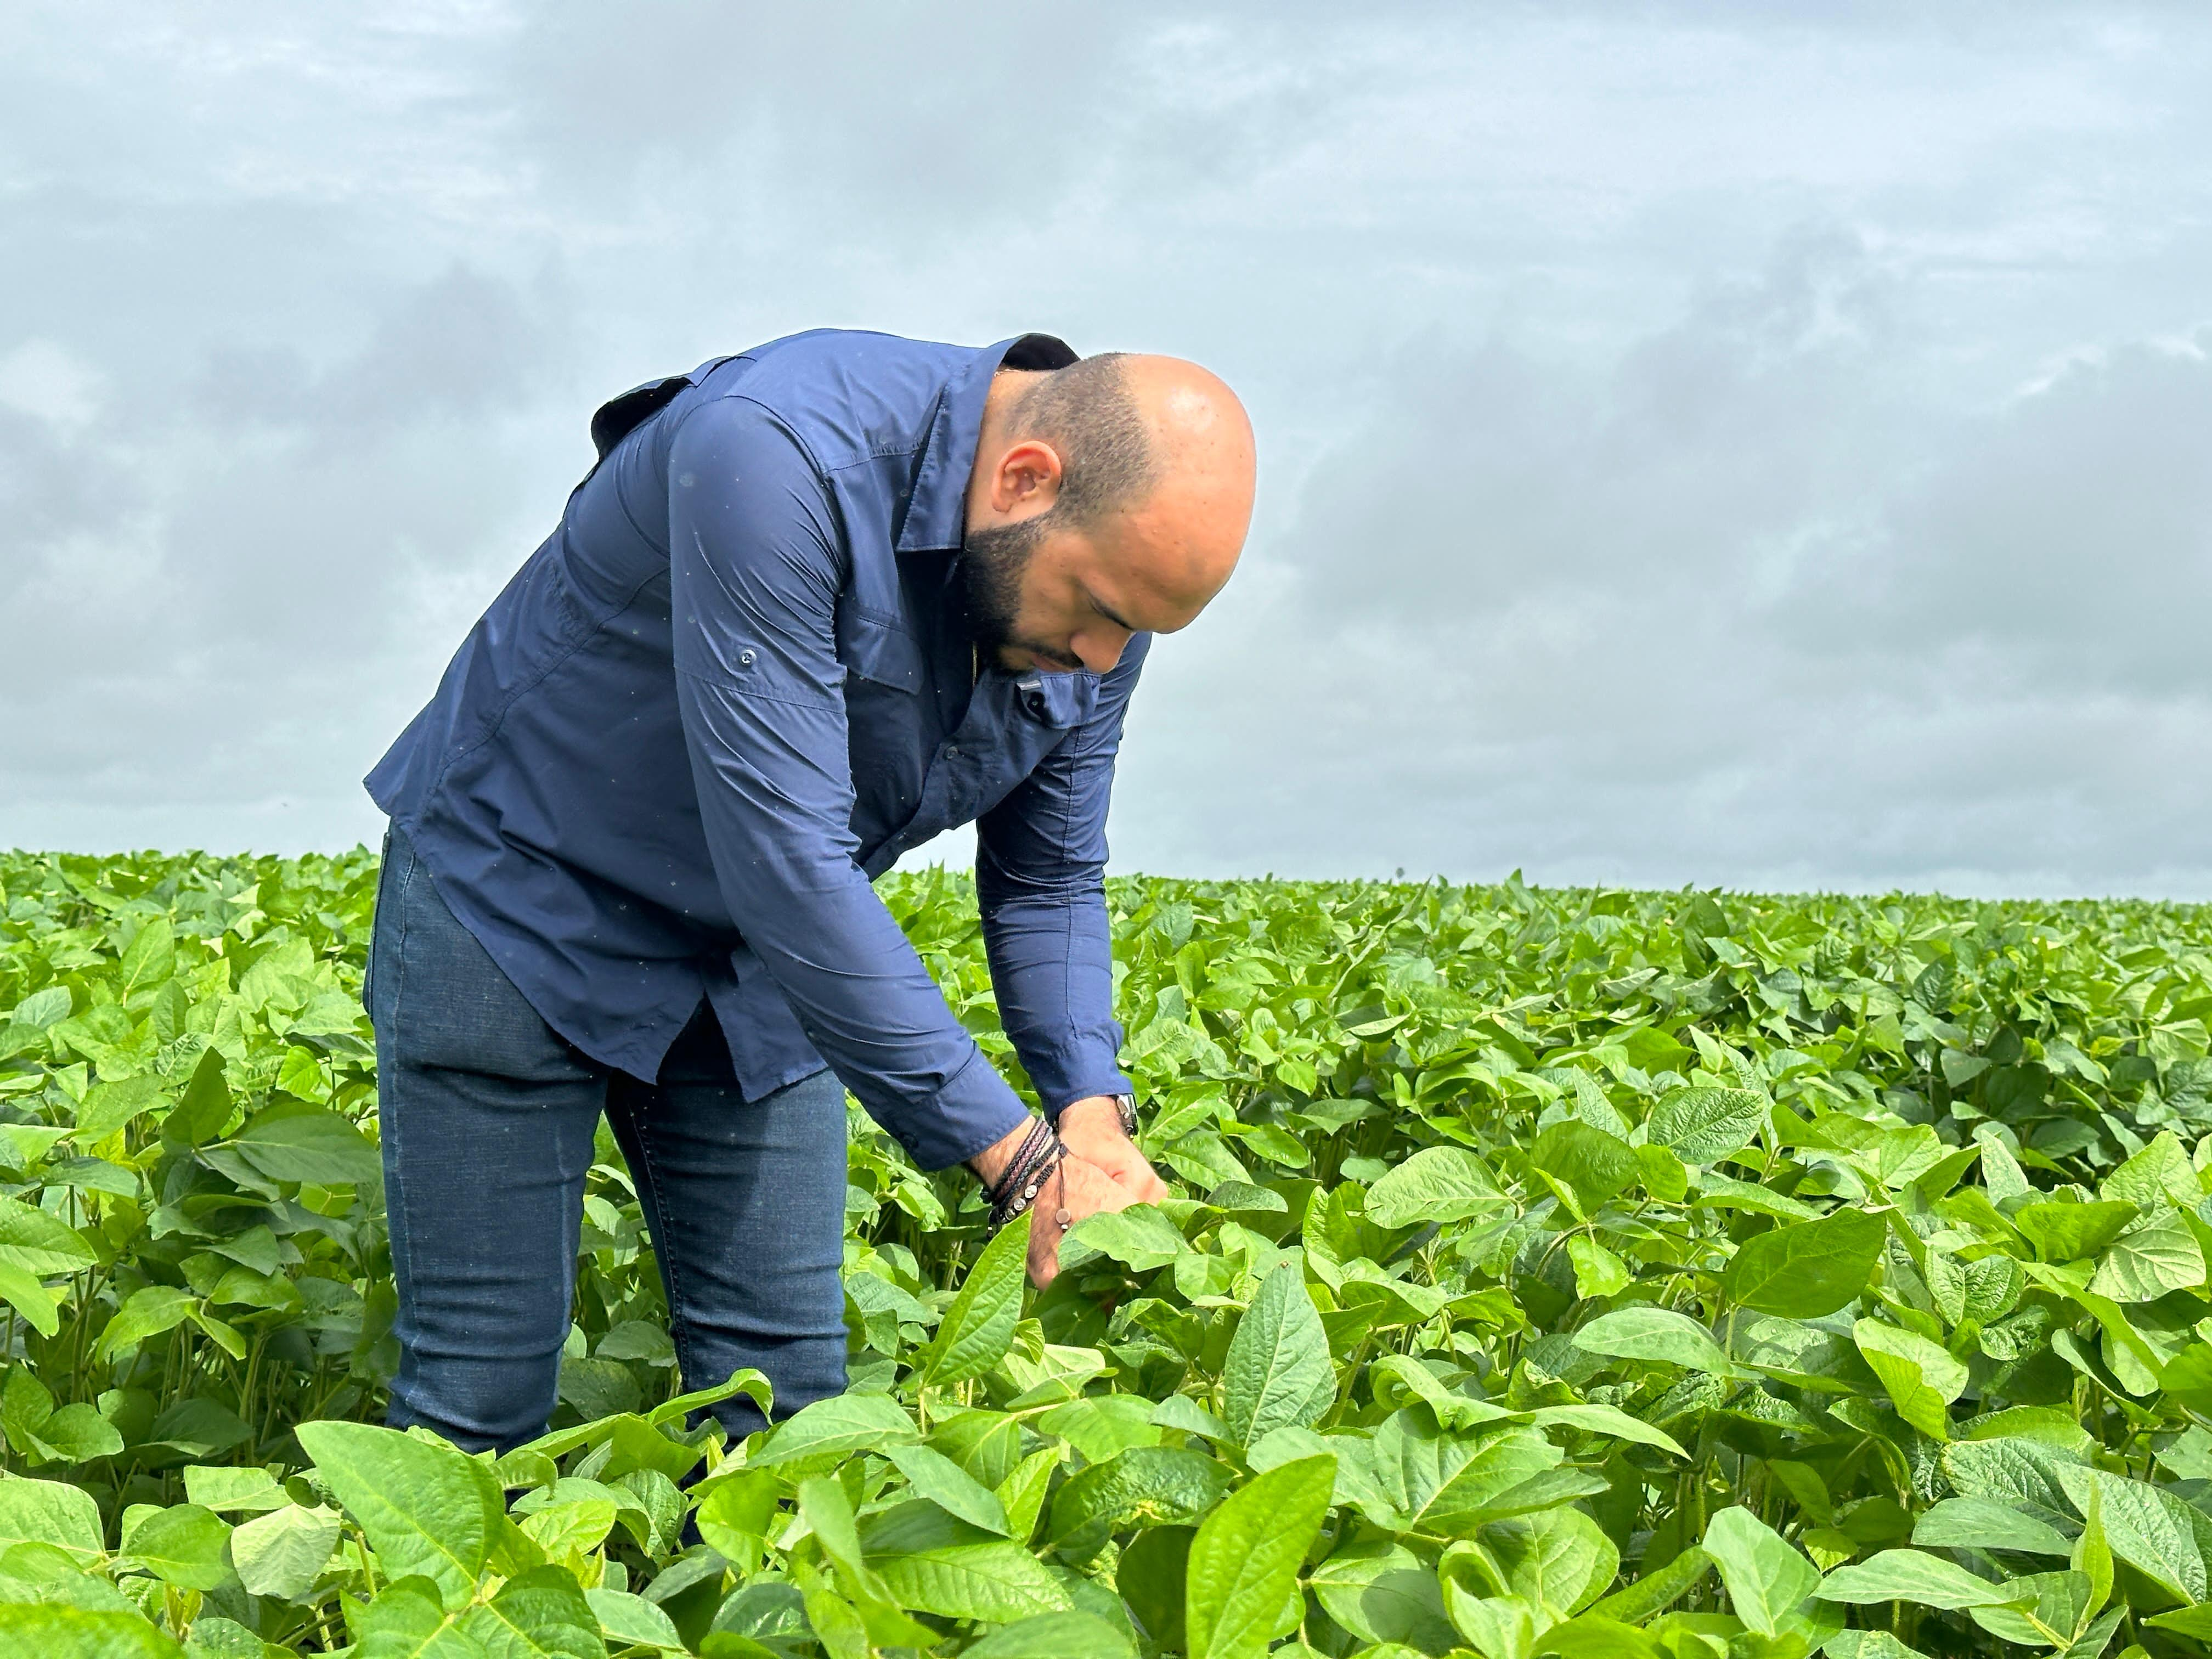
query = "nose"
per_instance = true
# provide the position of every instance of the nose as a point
(1098, 648)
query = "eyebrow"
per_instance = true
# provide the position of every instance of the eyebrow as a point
(1118, 621)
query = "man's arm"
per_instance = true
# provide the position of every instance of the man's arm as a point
(755, 568)
(1041, 884)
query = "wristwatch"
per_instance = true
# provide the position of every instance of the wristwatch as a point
(1126, 1105)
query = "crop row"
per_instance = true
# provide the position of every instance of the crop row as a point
(1674, 1276)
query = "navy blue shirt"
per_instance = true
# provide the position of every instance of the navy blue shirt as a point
(728, 691)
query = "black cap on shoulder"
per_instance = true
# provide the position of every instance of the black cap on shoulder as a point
(1039, 351)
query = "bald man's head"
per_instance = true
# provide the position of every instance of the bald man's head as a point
(1109, 497)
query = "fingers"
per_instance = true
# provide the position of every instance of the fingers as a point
(1113, 1152)
(1085, 1189)
(1137, 1176)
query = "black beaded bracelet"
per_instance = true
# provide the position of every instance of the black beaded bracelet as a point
(1027, 1154)
(1025, 1174)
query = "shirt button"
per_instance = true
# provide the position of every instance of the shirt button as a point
(745, 659)
(952, 751)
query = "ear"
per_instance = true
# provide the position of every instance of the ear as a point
(1027, 479)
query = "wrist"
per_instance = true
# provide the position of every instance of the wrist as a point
(1100, 1114)
(989, 1165)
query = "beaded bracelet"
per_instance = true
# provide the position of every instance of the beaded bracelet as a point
(1032, 1165)
(1035, 1143)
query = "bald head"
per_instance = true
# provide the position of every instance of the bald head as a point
(1120, 489)
(1190, 523)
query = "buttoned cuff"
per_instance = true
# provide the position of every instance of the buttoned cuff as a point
(976, 1109)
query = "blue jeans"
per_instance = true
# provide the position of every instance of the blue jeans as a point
(488, 1117)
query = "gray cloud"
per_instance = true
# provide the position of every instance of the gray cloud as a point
(1700, 444)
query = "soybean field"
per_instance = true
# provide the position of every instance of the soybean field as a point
(1634, 1275)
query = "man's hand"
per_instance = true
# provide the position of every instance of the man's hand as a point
(1092, 1131)
(1079, 1186)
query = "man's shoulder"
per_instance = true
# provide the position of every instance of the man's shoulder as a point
(851, 395)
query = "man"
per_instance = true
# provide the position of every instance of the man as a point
(815, 603)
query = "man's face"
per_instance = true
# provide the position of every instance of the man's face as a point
(1040, 597)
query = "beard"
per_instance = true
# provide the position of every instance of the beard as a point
(991, 567)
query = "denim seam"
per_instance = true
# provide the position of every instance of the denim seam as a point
(663, 1241)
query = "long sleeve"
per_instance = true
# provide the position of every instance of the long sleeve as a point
(1040, 882)
(756, 566)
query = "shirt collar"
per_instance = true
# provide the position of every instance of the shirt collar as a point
(937, 515)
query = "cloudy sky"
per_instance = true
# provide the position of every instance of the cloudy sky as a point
(1720, 443)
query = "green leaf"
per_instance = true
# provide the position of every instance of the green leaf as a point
(183, 1546)
(215, 1637)
(37, 1243)
(1606, 1419)
(2067, 1233)
(1413, 1476)
(2015, 1470)
(1023, 1492)
(995, 1580)
(1597, 1165)
(1151, 1577)
(1766, 1579)
(1704, 1126)
(2148, 1527)
(48, 1512)
(980, 1324)
(149, 1312)
(1277, 1371)
(1914, 1576)
(951, 1488)
(844, 1423)
(1808, 1270)
(23, 1292)
(1245, 1562)
(1590, 1636)
(1054, 1635)
(576, 1526)
(80, 1433)
(1437, 1183)
(1654, 1334)
(1979, 1523)
(282, 1552)
(1139, 1237)
(1868, 1644)
(421, 1506)
(2145, 1263)
(198, 1116)
(317, 1147)
(149, 959)
(1920, 1378)
(2049, 1601)
(2092, 1555)
(1558, 1560)
(538, 1614)
(109, 1106)
(1143, 1487)
(1657, 1591)
(2159, 1174)
(1501, 1625)
(61, 1633)
(1380, 1591)
(1599, 1273)
(633, 1621)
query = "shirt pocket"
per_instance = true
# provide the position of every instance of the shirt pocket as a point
(1059, 700)
(878, 651)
